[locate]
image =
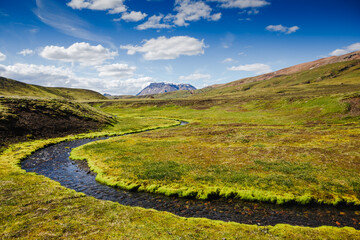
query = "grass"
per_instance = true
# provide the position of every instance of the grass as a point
(267, 147)
(12, 88)
(249, 161)
(35, 207)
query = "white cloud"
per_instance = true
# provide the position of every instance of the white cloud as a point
(227, 60)
(132, 16)
(2, 56)
(257, 68)
(26, 52)
(195, 76)
(81, 52)
(114, 6)
(189, 10)
(241, 3)
(167, 48)
(38, 74)
(52, 76)
(345, 50)
(117, 86)
(153, 22)
(281, 28)
(116, 70)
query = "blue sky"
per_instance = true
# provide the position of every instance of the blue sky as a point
(120, 46)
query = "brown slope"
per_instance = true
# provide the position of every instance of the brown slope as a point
(294, 69)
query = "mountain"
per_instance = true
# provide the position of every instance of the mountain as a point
(155, 88)
(328, 79)
(10, 88)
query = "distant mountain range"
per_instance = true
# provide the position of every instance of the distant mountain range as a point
(155, 88)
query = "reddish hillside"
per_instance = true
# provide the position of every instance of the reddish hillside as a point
(294, 69)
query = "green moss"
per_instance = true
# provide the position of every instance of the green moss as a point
(274, 151)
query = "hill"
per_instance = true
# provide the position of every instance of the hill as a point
(156, 88)
(12, 88)
(295, 69)
(28, 119)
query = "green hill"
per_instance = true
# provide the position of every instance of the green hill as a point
(28, 119)
(343, 77)
(12, 88)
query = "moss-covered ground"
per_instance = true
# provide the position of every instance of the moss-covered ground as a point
(35, 207)
(303, 151)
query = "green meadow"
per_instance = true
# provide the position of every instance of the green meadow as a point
(35, 207)
(251, 151)
(264, 143)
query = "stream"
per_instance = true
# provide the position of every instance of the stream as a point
(53, 162)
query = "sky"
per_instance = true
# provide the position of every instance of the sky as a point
(120, 46)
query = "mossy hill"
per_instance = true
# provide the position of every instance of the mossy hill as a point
(28, 119)
(13, 88)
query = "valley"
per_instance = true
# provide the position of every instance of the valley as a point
(291, 139)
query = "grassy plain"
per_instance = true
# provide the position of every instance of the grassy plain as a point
(268, 142)
(35, 207)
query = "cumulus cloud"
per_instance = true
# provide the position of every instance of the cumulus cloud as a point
(26, 52)
(132, 16)
(113, 6)
(81, 52)
(154, 22)
(116, 70)
(281, 28)
(116, 86)
(167, 48)
(2, 56)
(241, 3)
(53, 76)
(257, 68)
(188, 10)
(38, 74)
(345, 50)
(195, 76)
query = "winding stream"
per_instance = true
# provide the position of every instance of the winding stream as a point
(54, 162)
